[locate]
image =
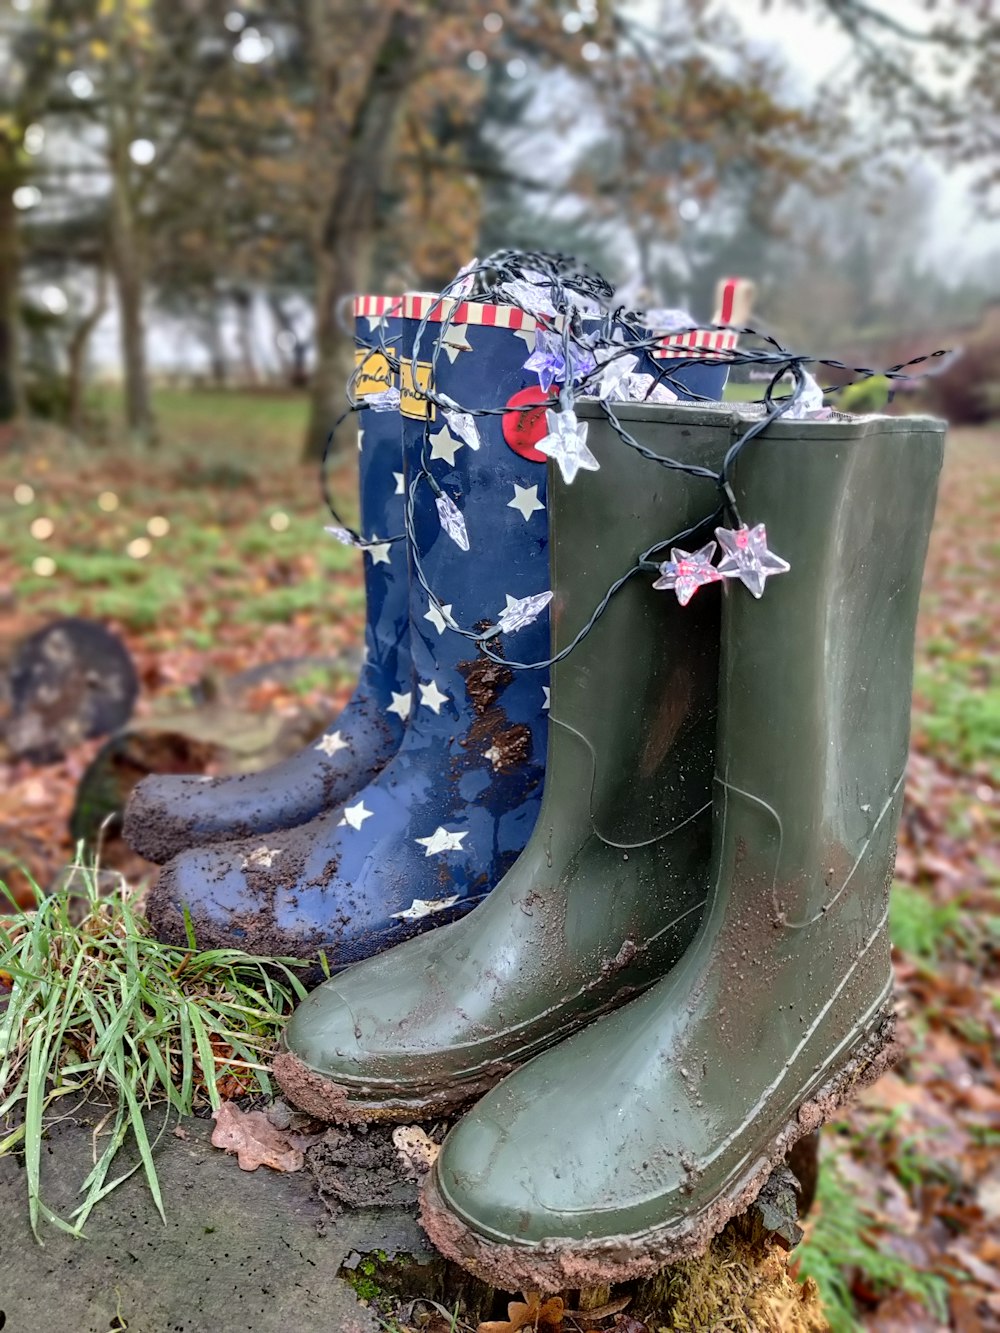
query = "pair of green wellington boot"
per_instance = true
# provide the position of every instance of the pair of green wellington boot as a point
(711, 863)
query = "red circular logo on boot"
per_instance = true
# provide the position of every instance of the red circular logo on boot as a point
(524, 421)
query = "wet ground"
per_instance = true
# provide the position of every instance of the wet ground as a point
(239, 1251)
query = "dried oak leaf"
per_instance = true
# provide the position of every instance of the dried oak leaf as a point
(416, 1149)
(531, 1312)
(254, 1140)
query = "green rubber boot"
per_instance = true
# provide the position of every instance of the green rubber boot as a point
(632, 1143)
(609, 891)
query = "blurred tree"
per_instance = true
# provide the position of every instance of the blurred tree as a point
(227, 161)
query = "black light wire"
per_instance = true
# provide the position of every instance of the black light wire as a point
(563, 280)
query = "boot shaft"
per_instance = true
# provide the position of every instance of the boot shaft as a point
(632, 740)
(816, 675)
(501, 498)
(377, 321)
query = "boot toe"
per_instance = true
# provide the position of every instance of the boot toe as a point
(226, 907)
(324, 1035)
(164, 815)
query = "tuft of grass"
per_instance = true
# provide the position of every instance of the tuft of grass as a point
(921, 928)
(98, 1007)
(839, 1241)
(960, 721)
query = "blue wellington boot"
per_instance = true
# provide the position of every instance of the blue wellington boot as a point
(168, 814)
(429, 837)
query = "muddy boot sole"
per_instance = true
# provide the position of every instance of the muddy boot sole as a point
(339, 1103)
(558, 1265)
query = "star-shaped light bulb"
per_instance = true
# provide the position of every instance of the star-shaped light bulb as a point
(521, 611)
(386, 400)
(566, 443)
(745, 556)
(452, 521)
(553, 361)
(808, 403)
(615, 372)
(341, 535)
(535, 298)
(464, 281)
(463, 424)
(687, 571)
(645, 389)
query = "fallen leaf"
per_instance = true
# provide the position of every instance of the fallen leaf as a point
(531, 1312)
(417, 1150)
(254, 1140)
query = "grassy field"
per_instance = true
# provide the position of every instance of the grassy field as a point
(245, 574)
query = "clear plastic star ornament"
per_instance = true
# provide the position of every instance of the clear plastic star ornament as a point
(745, 556)
(551, 363)
(646, 389)
(616, 370)
(387, 400)
(687, 571)
(668, 320)
(463, 424)
(535, 298)
(566, 443)
(452, 521)
(342, 535)
(808, 404)
(521, 611)
(465, 280)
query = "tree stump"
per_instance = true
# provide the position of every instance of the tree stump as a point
(70, 681)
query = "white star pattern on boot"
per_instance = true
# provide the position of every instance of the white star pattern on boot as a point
(261, 858)
(566, 443)
(442, 841)
(399, 484)
(440, 617)
(355, 815)
(421, 907)
(379, 552)
(330, 744)
(455, 340)
(444, 445)
(545, 696)
(493, 755)
(527, 336)
(375, 322)
(432, 697)
(401, 704)
(525, 501)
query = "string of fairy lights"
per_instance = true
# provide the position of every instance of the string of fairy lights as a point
(587, 348)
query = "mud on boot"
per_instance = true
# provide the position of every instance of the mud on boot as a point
(450, 813)
(167, 814)
(630, 1144)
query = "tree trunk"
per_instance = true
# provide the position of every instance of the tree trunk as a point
(11, 386)
(347, 239)
(243, 300)
(126, 262)
(77, 354)
(216, 350)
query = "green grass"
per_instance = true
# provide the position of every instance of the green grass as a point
(921, 928)
(961, 717)
(840, 1241)
(217, 424)
(97, 1007)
